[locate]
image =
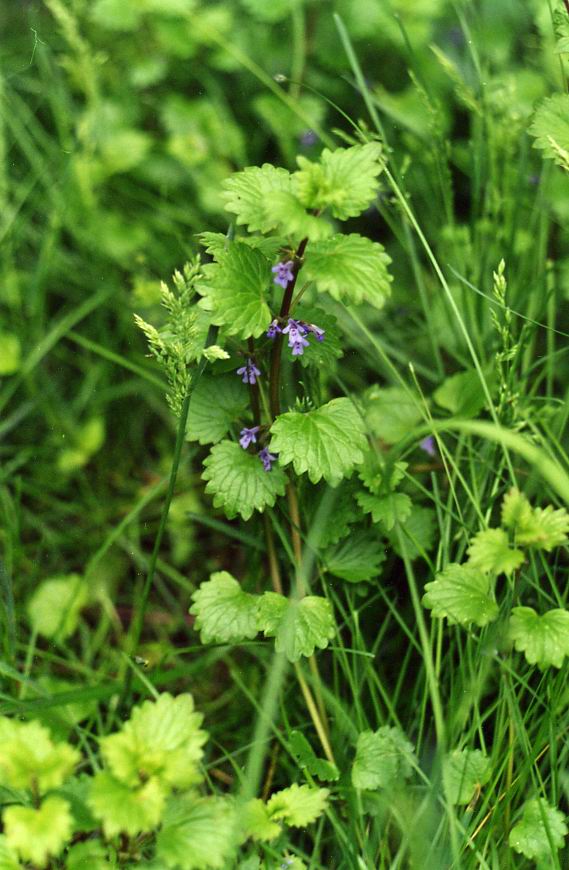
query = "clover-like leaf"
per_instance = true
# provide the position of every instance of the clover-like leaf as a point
(210, 421)
(249, 193)
(29, 758)
(36, 834)
(351, 268)
(197, 833)
(123, 809)
(307, 759)
(464, 771)
(297, 626)
(224, 612)
(162, 739)
(544, 640)
(383, 758)
(540, 832)
(551, 129)
(54, 608)
(388, 509)
(490, 550)
(234, 291)
(298, 805)
(463, 595)
(238, 482)
(356, 558)
(343, 180)
(327, 442)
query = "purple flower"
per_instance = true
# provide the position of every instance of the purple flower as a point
(267, 458)
(428, 445)
(297, 331)
(298, 345)
(248, 436)
(315, 330)
(283, 273)
(308, 138)
(273, 329)
(249, 371)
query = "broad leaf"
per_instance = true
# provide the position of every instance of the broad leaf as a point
(351, 268)
(383, 759)
(234, 291)
(543, 528)
(249, 194)
(292, 219)
(357, 558)
(380, 476)
(224, 612)
(394, 507)
(8, 857)
(543, 639)
(307, 760)
(462, 394)
(54, 608)
(343, 180)
(391, 413)
(490, 550)
(297, 626)
(541, 831)
(30, 759)
(463, 595)
(238, 482)
(464, 771)
(197, 833)
(38, 834)
(255, 821)
(298, 805)
(91, 854)
(210, 421)
(551, 129)
(417, 532)
(344, 514)
(327, 442)
(122, 809)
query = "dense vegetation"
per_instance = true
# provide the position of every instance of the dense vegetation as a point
(283, 434)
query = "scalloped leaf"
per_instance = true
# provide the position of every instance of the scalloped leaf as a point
(8, 857)
(238, 482)
(490, 551)
(543, 528)
(351, 268)
(550, 128)
(210, 421)
(297, 626)
(30, 759)
(248, 194)
(298, 805)
(541, 830)
(224, 612)
(357, 558)
(197, 833)
(544, 640)
(255, 822)
(464, 771)
(463, 595)
(343, 180)
(417, 531)
(394, 507)
(123, 809)
(36, 834)
(383, 758)
(326, 443)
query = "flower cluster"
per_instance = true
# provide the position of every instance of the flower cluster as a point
(283, 273)
(248, 437)
(249, 371)
(297, 330)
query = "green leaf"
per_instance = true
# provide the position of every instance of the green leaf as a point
(380, 476)
(351, 268)
(210, 421)
(10, 354)
(234, 291)
(162, 740)
(462, 394)
(238, 482)
(249, 194)
(357, 558)
(38, 834)
(417, 531)
(271, 12)
(543, 528)
(391, 413)
(383, 759)
(385, 509)
(255, 822)
(541, 831)
(307, 759)
(543, 639)
(294, 221)
(464, 771)
(298, 805)
(550, 128)
(29, 758)
(8, 857)
(322, 354)
(345, 514)
(327, 442)
(344, 180)
(463, 595)
(53, 609)
(297, 626)
(490, 550)
(123, 809)
(91, 854)
(197, 833)
(224, 612)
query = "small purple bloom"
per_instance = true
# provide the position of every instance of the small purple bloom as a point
(316, 331)
(428, 445)
(249, 371)
(308, 138)
(273, 329)
(298, 345)
(283, 273)
(248, 436)
(267, 458)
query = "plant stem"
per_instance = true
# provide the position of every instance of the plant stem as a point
(315, 715)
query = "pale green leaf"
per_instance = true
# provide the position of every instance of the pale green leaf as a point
(90, 855)
(123, 809)
(8, 857)
(235, 291)
(297, 626)
(464, 771)
(293, 221)
(462, 394)
(249, 194)
(255, 822)
(383, 759)
(327, 442)
(541, 831)
(210, 421)
(307, 759)
(357, 558)
(298, 805)
(380, 476)
(36, 834)
(543, 528)
(53, 609)
(550, 128)
(343, 180)
(238, 482)
(351, 268)
(543, 639)
(490, 550)
(30, 759)
(463, 595)
(224, 612)
(391, 413)
(517, 513)
(197, 833)
(394, 507)
(10, 353)
(161, 740)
